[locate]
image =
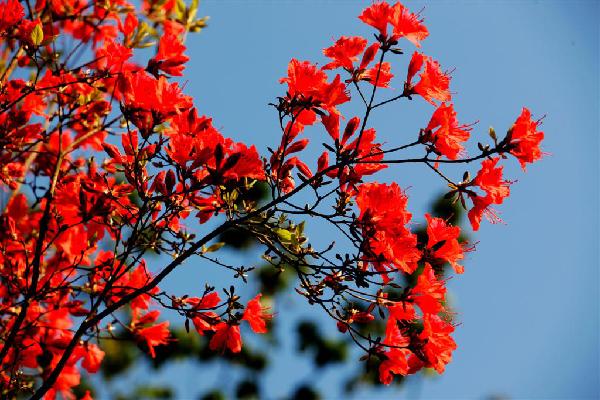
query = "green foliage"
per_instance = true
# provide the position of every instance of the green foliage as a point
(325, 351)
(305, 393)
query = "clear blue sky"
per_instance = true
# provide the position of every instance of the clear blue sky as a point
(528, 301)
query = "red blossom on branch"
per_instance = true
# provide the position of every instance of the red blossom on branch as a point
(256, 315)
(524, 139)
(445, 133)
(104, 161)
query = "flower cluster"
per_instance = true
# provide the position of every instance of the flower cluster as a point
(389, 250)
(104, 160)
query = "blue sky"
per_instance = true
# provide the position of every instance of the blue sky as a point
(528, 302)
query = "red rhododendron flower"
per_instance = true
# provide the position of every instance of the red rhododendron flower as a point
(130, 24)
(378, 16)
(482, 207)
(112, 56)
(398, 358)
(309, 84)
(363, 146)
(396, 363)
(434, 84)
(439, 345)
(524, 139)
(11, 12)
(87, 396)
(154, 335)
(170, 57)
(442, 242)
(92, 358)
(404, 23)
(402, 311)
(399, 362)
(226, 337)
(407, 25)
(256, 315)
(149, 101)
(489, 178)
(68, 379)
(345, 52)
(378, 76)
(384, 219)
(206, 320)
(447, 135)
(429, 293)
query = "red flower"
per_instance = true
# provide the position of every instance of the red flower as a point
(226, 336)
(309, 82)
(11, 12)
(393, 334)
(67, 380)
(439, 345)
(256, 315)
(137, 279)
(112, 57)
(204, 321)
(443, 242)
(194, 139)
(345, 52)
(489, 178)
(149, 101)
(170, 57)
(407, 25)
(154, 335)
(404, 23)
(308, 90)
(481, 207)
(396, 363)
(446, 134)
(383, 204)
(416, 63)
(377, 15)
(87, 396)
(92, 358)
(384, 218)
(434, 84)
(399, 359)
(402, 311)
(524, 139)
(248, 164)
(208, 301)
(369, 55)
(429, 293)
(366, 150)
(131, 23)
(377, 76)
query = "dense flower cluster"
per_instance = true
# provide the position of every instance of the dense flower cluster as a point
(104, 160)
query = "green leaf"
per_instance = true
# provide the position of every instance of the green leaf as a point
(214, 247)
(192, 11)
(37, 35)
(283, 234)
